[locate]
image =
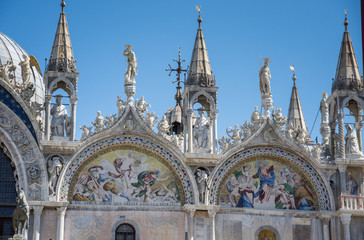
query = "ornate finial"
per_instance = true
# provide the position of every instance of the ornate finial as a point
(63, 4)
(294, 74)
(346, 23)
(179, 70)
(199, 19)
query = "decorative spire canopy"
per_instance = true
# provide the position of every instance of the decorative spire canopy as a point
(62, 59)
(200, 70)
(295, 113)
(347, 72)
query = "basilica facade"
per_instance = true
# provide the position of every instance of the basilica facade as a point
(134, 175)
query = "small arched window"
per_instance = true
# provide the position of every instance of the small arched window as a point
(125, 232)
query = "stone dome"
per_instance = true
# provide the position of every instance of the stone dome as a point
(10, 50)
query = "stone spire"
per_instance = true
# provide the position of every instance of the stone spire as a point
(295, 113)
(347, 72)
(62, 59)
(200, 69)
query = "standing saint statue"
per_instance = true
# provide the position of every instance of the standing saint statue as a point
(264, 78)
(324, 109)
(59, 114)
(201, 130)
(131, 71)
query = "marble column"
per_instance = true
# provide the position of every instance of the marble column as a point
(340, 117)
(342, 171)
(214, 131)
(212, 215)
(333, 149)
(61, 212)
(73, 116)
(37, 210)
(47, 106)
(190, 130)
(325, 220)
(345, 219)
(190, 210)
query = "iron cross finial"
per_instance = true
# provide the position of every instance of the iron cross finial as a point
(179, 69)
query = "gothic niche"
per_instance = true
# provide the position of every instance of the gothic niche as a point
(202, 177)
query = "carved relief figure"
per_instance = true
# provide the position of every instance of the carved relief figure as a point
(163, 126)
(201, 178)
(25, 70)
(324, 109)
(351, 145)
(59, 114)
(141, 106)
(131, 71)
(264, 77)
(99, 122)
(201, 131)
(235, 134)
(121, 106)
(54, 170)
(6, 72)
(151, 119)
(21, 214)
(86, 132)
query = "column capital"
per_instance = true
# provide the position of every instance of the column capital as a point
(213, 210)
(345, 218)
(189, 209)
(48, 98)
(37, 210)
(74, 99)
(342, 168)
(325, 218)
(61, 211)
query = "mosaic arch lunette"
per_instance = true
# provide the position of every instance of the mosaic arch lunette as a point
(126, 170)
(269, 178)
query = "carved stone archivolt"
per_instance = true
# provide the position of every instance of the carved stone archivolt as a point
(25, 154)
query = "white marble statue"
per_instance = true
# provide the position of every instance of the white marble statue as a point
(86, 132)
(324, 109)
(264, 78)
(54, 170)
(163, 126)
(25, 70)
(151, 119)
(131, 71)
(99, 123)
(235, 134)
(256, 118)
(279, 120)
(121, 106)
(59, 114)
(224, 143)
(351, 141)
(201, 131)
(290, 132)
(201, 178)
(111, 119)
(246, 130)
(141, 106)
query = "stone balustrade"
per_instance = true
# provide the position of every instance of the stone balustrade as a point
(351, 202)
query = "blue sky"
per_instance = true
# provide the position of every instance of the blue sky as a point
(305, 33)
